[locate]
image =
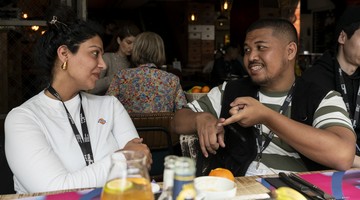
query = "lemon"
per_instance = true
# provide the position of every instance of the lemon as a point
(139, 181)
(117, 186)
(188, 192)
(287, 193)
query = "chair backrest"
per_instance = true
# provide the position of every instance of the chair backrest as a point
(158, 134)
(162, 121)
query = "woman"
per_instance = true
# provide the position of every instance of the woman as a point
(117, 56)
(62, 138)
(146, 88)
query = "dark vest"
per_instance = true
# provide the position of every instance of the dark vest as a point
(240, 142)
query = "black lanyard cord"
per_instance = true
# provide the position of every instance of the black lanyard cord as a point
(354, 114)
(84, 144)
(259, 133)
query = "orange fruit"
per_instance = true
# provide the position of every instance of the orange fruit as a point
(222, 172)
(205, 89)
(196, 90)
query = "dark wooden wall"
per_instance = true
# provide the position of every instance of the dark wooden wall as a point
(243, 13)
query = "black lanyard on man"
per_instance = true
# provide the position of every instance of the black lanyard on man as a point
(354, 114)
(84, 144)
(262, 145)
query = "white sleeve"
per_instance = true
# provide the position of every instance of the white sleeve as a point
(124, 129)
(332, 111)
(31, 156)
(36, 166)
(209, 103)
(27, 145)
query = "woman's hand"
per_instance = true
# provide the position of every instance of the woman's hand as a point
(137, 145)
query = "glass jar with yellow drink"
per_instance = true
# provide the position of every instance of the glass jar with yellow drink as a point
(128, 177)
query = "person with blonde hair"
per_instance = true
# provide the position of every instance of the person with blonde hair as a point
(146, 88)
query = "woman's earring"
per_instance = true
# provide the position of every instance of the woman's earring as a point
(64, 65)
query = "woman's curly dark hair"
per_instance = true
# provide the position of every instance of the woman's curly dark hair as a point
(63, 28)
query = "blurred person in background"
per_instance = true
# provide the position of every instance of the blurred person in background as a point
(228, 66)
(110, 28)
(146, 88)
(117, 55)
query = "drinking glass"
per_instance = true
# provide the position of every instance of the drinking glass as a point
(128, 177)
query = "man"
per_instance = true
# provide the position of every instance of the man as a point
(244, 125)
(228, 66)
(338, 68)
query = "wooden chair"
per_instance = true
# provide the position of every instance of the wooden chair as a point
(159, 135)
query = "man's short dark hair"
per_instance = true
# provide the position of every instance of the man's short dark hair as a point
(279, 26)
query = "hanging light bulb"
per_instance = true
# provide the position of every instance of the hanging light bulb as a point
(24, 15)
(34, 28)
(192, 17)
(226, 6)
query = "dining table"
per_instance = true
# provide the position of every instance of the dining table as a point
(248, 187)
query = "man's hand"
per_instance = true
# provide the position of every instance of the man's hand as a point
(137, 145)
(246, 111)
(211, 136)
